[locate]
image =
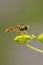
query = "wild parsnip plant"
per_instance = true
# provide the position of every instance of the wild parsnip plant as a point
(24, 39)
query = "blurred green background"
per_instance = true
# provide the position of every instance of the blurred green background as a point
(15, 12)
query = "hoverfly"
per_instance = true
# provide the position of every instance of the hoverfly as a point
(19, 28)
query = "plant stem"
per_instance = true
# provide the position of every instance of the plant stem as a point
(35, 49)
